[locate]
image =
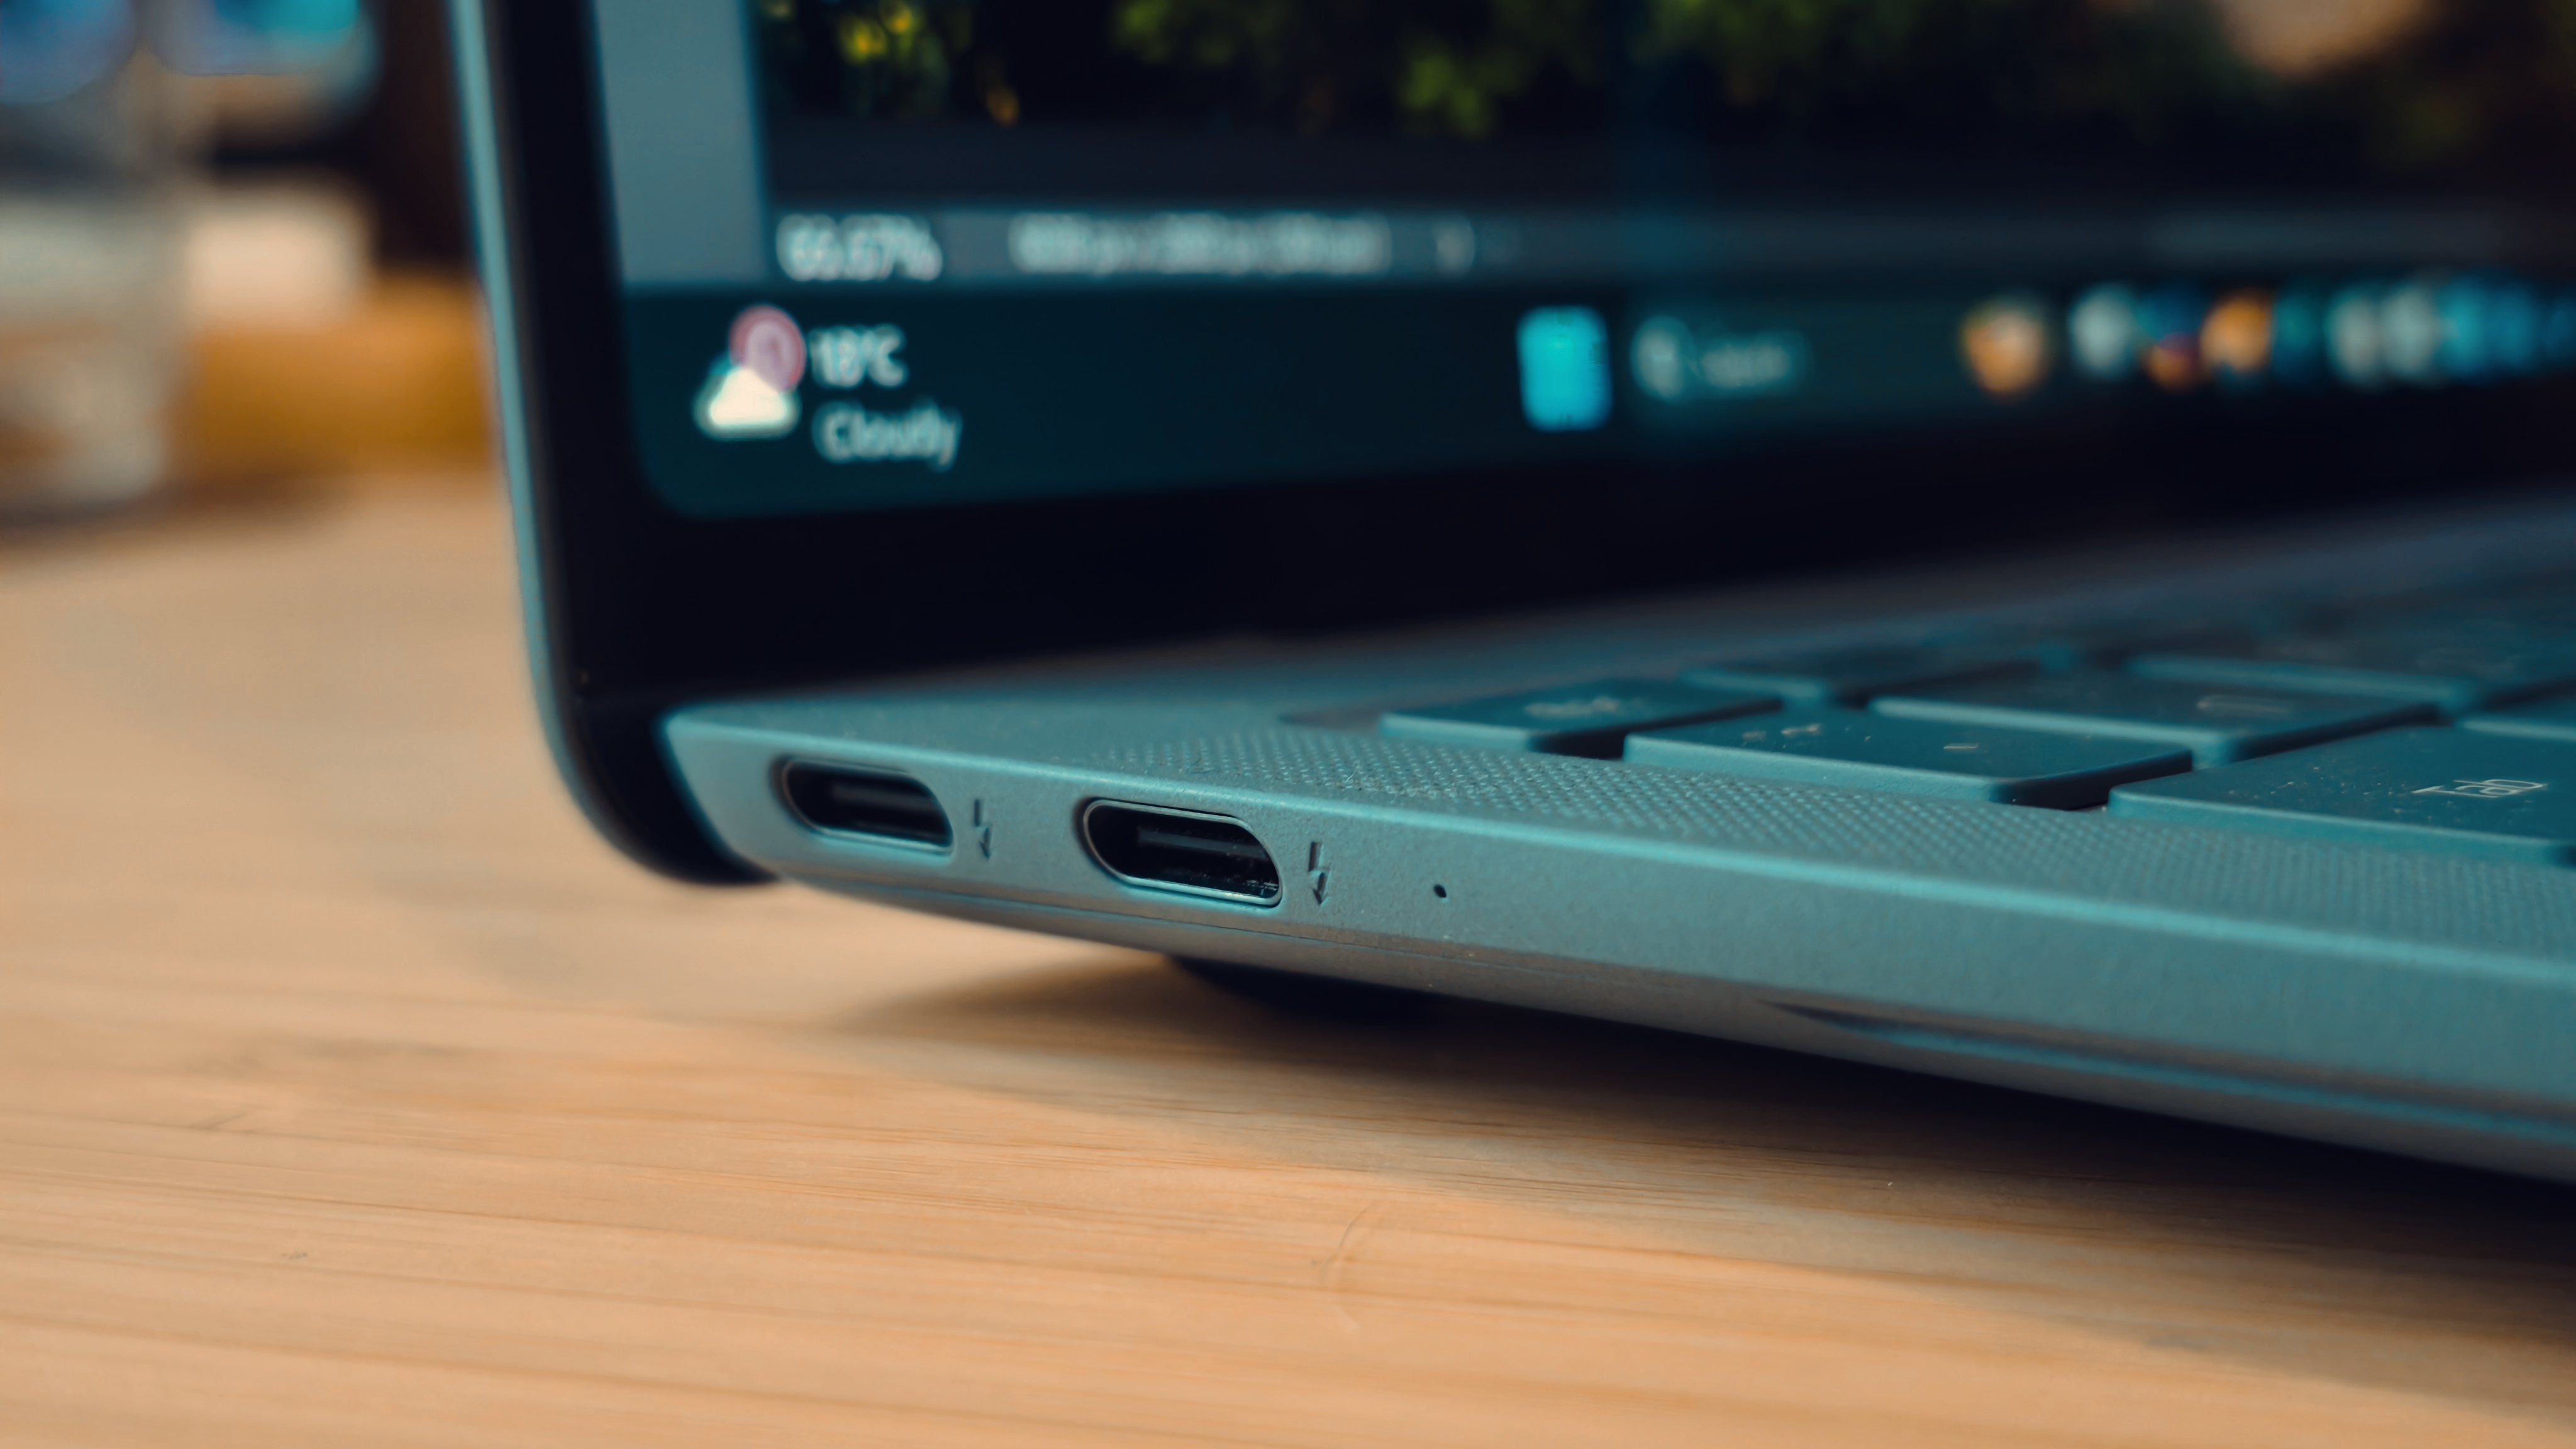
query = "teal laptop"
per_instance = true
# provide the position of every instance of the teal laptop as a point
(2010, 541)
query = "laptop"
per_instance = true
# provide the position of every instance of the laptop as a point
(2007, 541)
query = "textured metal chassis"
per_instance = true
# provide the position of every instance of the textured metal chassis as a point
(2408, 1001)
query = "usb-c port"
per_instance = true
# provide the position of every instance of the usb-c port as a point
(1180, 850)
(840, 801)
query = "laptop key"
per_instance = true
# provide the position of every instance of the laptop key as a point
(2457, 672)
(1852, 676)
(1866, 751)
(1574, 719)
(2549, 719)
(2468, 616)
(2217, 725)
(2430, 789)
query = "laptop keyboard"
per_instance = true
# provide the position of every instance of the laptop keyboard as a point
(2441, 722)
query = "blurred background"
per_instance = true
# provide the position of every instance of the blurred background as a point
(232, 252)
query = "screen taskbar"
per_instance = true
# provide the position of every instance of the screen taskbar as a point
(831, 398)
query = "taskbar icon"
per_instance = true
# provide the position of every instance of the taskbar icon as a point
(750, 391)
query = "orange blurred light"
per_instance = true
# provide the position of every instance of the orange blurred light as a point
(2009, 344)
(2173, 361)
(2236, 340)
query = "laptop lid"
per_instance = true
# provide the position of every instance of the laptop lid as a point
(850, 337)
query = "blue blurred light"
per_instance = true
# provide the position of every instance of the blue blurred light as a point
(2103, 332)
(51, 48)
(254, 37)
(2466, 352)
(2412, 331)
(2170, 318)
(2558, 334)
(2299, 336)
(2353, 343)
(1565, 369)
(2514, 325)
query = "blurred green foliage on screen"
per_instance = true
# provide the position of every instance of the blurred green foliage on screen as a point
(2470, 84)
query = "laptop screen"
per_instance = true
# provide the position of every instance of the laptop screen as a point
(898, 254)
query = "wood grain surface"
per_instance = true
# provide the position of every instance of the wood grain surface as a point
(352, 1093)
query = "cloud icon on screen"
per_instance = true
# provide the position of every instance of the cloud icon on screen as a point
(736, 403)
(750, 392)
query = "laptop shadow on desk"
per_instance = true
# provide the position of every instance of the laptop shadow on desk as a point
(2321, 1261)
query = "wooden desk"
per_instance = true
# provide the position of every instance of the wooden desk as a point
(352, 1093)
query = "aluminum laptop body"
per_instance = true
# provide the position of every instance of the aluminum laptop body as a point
(1842, 549)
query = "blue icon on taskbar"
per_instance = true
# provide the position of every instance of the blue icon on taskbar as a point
(1565, 369)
